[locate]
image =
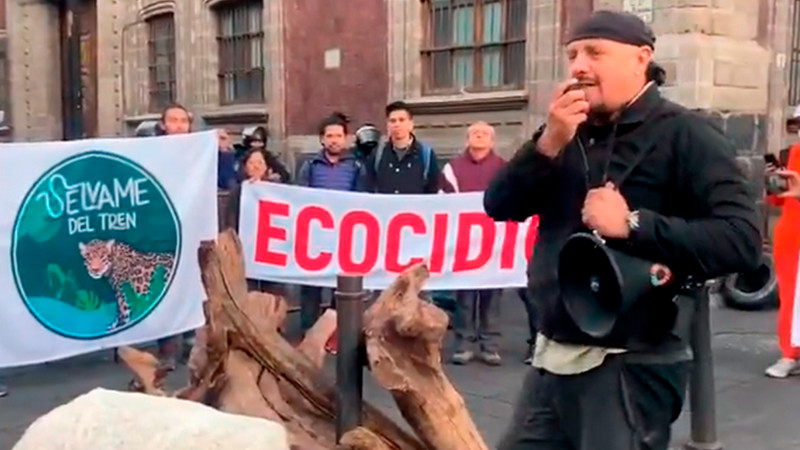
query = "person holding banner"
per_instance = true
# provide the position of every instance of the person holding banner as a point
(786, 251)
(334, 168)
(476, 313)
(175, 119)
(404, 165)
(617, 162)
(255, 167)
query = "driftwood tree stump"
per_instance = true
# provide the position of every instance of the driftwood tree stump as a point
(404, 339)
(241, 364)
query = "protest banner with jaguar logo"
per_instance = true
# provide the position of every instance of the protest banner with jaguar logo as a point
(102, 248)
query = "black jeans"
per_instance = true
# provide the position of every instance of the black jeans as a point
(530, 311)
(617, 406)
(475, 319)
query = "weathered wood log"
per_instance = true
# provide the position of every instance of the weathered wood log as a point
(241, 394)
(251, 390)
(404, 339)
(267, 311)
(148, 376)
(361, 439)
(313, 344)
(222, 269)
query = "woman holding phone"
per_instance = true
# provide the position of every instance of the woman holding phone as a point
(783, 188)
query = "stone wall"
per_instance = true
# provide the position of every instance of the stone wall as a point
(34, 69)
(197, 62)
(727, 57)
(441, 120)
(718, 59)
(122, 66)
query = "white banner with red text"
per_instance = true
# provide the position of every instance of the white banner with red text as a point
(309, 236)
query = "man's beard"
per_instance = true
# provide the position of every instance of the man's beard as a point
(599, 115)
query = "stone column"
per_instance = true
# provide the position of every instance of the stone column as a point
(546, 58)
(34, 69)
(779, 38)
(111, 16)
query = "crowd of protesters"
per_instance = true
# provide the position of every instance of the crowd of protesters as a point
(402, 164)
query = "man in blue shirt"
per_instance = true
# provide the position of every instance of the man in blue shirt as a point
(226, 163)
(335, 168)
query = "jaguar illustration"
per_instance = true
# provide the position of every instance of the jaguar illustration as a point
(120, 263)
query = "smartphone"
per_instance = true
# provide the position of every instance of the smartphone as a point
(771, 159)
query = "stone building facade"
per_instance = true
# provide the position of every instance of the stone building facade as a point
(725, 57)
(454, 61)
(235, 63)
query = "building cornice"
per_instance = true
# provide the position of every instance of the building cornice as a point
(215, 3)
(469, 103)
(244, 114)
(157, 8)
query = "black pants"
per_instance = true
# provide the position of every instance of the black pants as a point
(530, 310)
(617, 406)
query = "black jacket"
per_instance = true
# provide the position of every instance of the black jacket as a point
(406, 176)
(277, 166)
(697, 211)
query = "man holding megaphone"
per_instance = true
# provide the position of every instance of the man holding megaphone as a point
(639, 203)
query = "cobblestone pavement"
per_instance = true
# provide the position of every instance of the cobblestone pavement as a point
(753, 412)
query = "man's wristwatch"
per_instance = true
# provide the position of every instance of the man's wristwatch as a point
(633, 221)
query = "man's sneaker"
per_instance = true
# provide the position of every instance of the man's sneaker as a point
(528, 359)
(462, 357)
(490, 358)
(3, 389)
(783, 368)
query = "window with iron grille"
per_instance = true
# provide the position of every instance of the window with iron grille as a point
(474, 45)
(161, 66)
(794, 59)
(240, 37)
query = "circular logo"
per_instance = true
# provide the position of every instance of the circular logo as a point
(95, 246)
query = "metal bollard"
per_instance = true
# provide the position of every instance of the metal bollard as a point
(702, 398)
(349, 359)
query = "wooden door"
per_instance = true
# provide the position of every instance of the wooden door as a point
(87, 15)
(88, 21)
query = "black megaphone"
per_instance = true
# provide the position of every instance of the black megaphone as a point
(600, 286)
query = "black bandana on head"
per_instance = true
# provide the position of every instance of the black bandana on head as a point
(616, 26)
